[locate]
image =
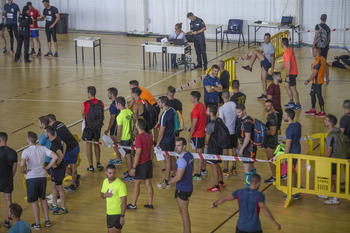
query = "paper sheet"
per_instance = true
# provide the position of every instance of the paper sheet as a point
(83, 125)
(192, 145)
(108, 140)
(122, 152)
(159, 154)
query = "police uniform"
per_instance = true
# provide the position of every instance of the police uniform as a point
(23, 36)
(199, 42)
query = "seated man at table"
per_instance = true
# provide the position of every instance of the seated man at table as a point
(178, 34)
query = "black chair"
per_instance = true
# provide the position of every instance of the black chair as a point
(235, 26)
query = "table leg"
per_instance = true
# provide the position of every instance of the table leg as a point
(94, 54)
(76, 53)
(216, 39)
(149, 59)
(143, 55)
(82, 52)
(100, 51)
(222, 39)
(248, 36)
(255, 35)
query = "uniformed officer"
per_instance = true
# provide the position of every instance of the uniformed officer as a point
(197, 29)
(23, 34)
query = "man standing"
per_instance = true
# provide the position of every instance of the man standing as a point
(11, 11)
(2, 37)
(19, 226)
(93, 114)
(290, 64)
(271, 138)
(344, 124)
(197, 28)
(124, 126)
(114, 191)
(58, 171)
(317, 78)
(213, 149)
(8, 168)
(322, 39)
(34, 30)
(44, 141)
(174, 103)
(143, 167)
(293, 135)
(112, 125)
(227, 113)
(237, 97)
(166, 137)
(250, 202)
(34, 157)
(266, 57)
(52, 17)
(72, 151)
(183, 181)
(212, 86)
(197, 131)
(274, 94)
(224, 79)
(247, 148)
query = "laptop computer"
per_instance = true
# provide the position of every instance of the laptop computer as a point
(286, 21)
(179, 42)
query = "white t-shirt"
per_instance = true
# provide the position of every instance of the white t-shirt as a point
(268, 50)
(35, 156)
(180, 36)
(227, 113)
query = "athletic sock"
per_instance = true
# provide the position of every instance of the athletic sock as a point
(39, 50)
(37, 222)
(247, 179)
(33, 50)
(47, 218)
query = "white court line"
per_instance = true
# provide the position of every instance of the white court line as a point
(50, 101)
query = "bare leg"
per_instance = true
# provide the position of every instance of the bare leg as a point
(128, 161)
(38, 43)
(225, 152)
(215, 173)
(35, 209)
(220, 178)
(173, 163)
(136, 191)
(54, 193)
(256, 54)
(327, 71)
(167, 167)
(295, 94)
(289, 92)
(8, 199)
(44, 208)
(115, 140)
(89, 153)
(62, 196)
(31, 43)
(113, 230)
(263, 80)
(3, 39)
(148, 184)
(200, 161)
(97, 152)
(269, 155)
(56, 46)
(74, 174)
(183, 207)
(49, 46)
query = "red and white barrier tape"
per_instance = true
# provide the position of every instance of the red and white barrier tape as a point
(332, 30)
(189, 84)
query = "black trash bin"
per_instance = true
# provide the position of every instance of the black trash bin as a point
(62, 25)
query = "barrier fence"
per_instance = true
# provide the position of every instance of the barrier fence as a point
(276, 40)
(316, 175)
(230, 66)
(310, 141)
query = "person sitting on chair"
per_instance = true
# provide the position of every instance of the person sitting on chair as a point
(177, 34)
(342, 62)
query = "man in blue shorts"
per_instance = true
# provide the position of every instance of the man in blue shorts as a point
(34, 29)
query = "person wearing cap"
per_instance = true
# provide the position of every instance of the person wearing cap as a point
(323, 39)
(52, 16)
(24, 21)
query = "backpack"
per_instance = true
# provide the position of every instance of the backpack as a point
(95, 115)
(343, 148)
(132, 124)
(322, 37)
(259, 132)
(153, 114)
(179, 120)
(220, 136)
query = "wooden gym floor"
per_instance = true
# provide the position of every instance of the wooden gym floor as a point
(58, 86)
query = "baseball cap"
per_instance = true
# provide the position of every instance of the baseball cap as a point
(323, 17)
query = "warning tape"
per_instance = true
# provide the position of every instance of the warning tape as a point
(189, 84)
(333, 30)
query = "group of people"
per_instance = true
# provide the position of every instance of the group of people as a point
(23, 26)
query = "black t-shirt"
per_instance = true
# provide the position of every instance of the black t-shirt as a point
(345, 123)
(57, 145)
(197, 25)
(50, 15)
(8, 156)
(248, 127)
(225, 79)
(25, 21)
(238, 98)
(65, 135)
(271, 140)
(176, 104)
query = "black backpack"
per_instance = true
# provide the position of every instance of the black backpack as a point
(220, 136)
(322, 37)
(152, 114)
(95, 115)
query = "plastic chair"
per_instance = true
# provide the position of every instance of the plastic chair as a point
(235, 26)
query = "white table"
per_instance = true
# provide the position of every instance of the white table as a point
(89, 42)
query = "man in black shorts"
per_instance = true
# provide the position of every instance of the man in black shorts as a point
(271, 138)
(58, 171)
(174, 103)
(183, 181)
(213, 149)
(322, 39)
(247, 148)
(52, 16)
(8, 167)
(143, 167)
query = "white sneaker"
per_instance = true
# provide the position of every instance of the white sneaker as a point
(160, 184)
(50, 201)
(49, 196)
(322, 196)
(332, 201)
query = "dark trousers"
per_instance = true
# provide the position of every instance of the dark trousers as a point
(345, 59)
(200, 47)
(316, 89)
(12, 29)
(23, 36)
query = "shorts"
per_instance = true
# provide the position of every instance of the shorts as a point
(215, 151)
(249, 152)
(144, 171)
(34, 33)
(198, 142)
(114, 221)
(266, 64)
(1, 26)
(57, 175)
(36, 188)
(89, 134)
(239, 231)
(51, 32)
(182, 195)
(279, 118)
(113, 131)
(71, 157)
(232, 142)
(292, 80)
(334, 169)
(324, 52)
(6, 188)
(126, 143)
(169, 146)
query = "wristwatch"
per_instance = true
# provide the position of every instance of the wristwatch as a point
(122, 215)
(133, 168)
(166, 182)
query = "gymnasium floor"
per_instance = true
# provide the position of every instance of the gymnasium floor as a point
(58, 86)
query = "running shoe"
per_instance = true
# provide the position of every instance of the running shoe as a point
(61, 211)
(70, 188)
(296, 107)
(39, 54)
(161, 183)
(284, 177)
(289, 105)
(125, 174)
(295, 196)
(148, 206)
(323, 196)
(332, 201)
(53, 207)
(197, 177)
(222, 185)
(262, 97)
(56, 54)
(32, 53)
(311, 112)
(233, 171)
(213, 189)
(5, 51)
(90, 169)
(204, 172)
(7, 224)
(226, 174)
(131, 207)
(49, 54)
(320, 114)
(36, 226)
(128, 178)
(99, 166)
(247, 68)
(10, 52)
(115, 161)
(270, 180)
(48, 223)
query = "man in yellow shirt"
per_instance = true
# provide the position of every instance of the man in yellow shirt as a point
(114, 191)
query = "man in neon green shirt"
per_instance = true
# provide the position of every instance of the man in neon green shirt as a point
(114, 191)
(125, 124)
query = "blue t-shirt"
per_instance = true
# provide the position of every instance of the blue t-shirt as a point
(11, 13)
(168, 121)
(185, 161)
(113, 110)
(293, 132)
(213, 96)
(20, 227)
(47, 143)
(249, 209)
